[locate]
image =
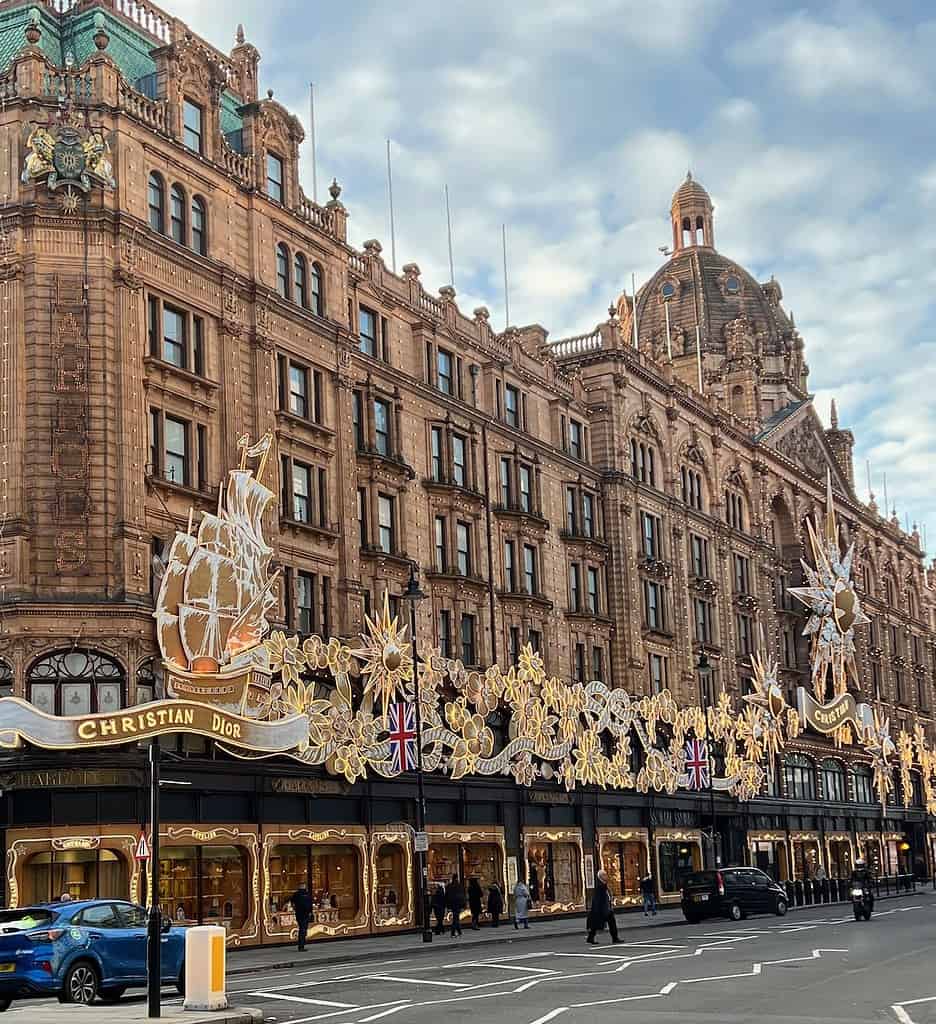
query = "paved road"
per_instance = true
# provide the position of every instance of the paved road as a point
(811, 966)
(816, 965)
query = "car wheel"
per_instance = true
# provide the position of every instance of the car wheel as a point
(80, 985)
(180, 981)
(735, 912)
(781, 907)
(112, 995)
(5, 1004)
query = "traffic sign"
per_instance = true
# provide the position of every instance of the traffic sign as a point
(421, 842)
(142, 848)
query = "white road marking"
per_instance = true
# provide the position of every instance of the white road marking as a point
(355, 966)
(304, 999)
(384, 1013)
(419, 981)
(901, 1014)
(512, 967)
(551, 1015)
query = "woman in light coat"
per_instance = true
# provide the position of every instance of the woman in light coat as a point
(522, 904)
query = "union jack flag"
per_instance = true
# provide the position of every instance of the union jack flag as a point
(697, 764)
(402, 737)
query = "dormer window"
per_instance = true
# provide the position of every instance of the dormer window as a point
(192, 117)
(274, 182)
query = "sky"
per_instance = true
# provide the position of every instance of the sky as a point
(573, 121)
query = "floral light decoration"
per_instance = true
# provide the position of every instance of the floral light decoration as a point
(881, 748)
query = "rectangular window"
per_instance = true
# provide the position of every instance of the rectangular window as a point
(274, 183)
(445, 633)
(698, 552)
(526, 489)
(459, 473)
(579, 667)
(357, 419)
(301, 493)
(298, 391)
(445, 380)
(382, 426)
(703, 621)
(174, 346)
(654, 615)
(192, 125)
(463, 548)
(505, 484)
(176, 458)
(591, 575)
(588, 515)
(745, 634)
(529, 569)
(576, 447)
(598, 664)
(305, 602)
(651, 529)
(386, 523)
(201, 434)
(367, 331)
(362, 514)
(535, 640)
(468, 656)
(513, 645)
(436, 469)
(658, 673)
(440, 559)
(156, 450)
(742, 575)
(198, 346)
(572, 511)
(510, 567)
(511, 405)
(575, 587)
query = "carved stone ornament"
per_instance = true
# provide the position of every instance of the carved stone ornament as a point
(65, 155)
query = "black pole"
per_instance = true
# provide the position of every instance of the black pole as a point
(420, 789)
(154, 924)
(711, 787)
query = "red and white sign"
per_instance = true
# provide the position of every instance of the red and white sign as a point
(142, 848)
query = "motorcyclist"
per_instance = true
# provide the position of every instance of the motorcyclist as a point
(861, 879)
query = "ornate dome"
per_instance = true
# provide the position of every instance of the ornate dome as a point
(690, 192)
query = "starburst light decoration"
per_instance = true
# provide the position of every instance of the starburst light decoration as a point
(388, 661)
(881, 748)
(767, 721)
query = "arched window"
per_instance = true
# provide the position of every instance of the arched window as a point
(6, 679)
(76, 682)
(833, 780)
(643, 462)
(315, 281)
(177, 214)
(861, 780)
(686, 231)
(734, 509)
(692, 487)
(866, 578)
(199, 226)
(300, 291)
(700, 231)
(157, 203)
(889, 593)
(149, 681)
(799, 777)
(911, 604)
(282, 270)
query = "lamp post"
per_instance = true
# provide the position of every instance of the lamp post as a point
(412, 596)
(154, 923)
(704, 669)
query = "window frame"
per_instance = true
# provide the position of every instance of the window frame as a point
(196, 133)
(198, 238)
(275, 185)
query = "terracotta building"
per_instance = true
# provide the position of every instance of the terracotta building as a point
(631, 502)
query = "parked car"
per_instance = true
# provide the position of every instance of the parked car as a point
(81, 950)
(733, 893)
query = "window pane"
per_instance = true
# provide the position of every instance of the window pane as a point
(511, 403)
(385, 522)
(526, 494)
(367, 329)
(436, 452)
(382, 426)
(298, 391)
(458, 460)
(177, 214)
(198, 226)
(274, 177)
(192, 133)
(174, 337)
(176, 454)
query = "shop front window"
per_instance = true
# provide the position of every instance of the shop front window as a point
(625, 864)
(805, 858)
(467, 860)
(81, 874)
(331, 873)
(872, 856)
(676, 861)
(840, 858)
(553, 872)
(204, 885)
(770, 856)
(391, 882)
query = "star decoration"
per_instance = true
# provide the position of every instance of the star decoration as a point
(881, 748)
(834, 604)
(387, 656)
(763, 722)
(69, 202)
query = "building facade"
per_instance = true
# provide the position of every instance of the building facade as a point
(632, 503)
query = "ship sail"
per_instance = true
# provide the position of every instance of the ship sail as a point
(170, 594)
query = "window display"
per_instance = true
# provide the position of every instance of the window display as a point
(331, 873)
(391, 883)
(83, 874)
(554, 873)
(677, 858)
(481, 860)
(840, 858)
(625, 864)
(204, 885)
(806, 858)
(770, 855)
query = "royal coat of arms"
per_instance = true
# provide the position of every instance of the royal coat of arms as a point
(63, 155)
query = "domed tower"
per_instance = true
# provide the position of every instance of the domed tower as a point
(702, 307)
(691, 215)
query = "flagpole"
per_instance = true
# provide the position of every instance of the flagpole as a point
(448, 222)
(698, 352)
(506, 291)
(312, 140)
(392, 224)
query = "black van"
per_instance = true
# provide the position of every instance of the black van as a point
(733, 893)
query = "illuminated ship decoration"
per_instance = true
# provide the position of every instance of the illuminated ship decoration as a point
(216, 593)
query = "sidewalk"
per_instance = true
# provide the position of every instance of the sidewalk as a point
(347, 951)
(51, 1013)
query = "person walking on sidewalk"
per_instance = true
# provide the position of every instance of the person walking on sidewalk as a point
(302, 907)
(495, 904)
(475, 902)
(648, 891)
(438, 908)
(455, 898)
(521, 905)
(602, 911)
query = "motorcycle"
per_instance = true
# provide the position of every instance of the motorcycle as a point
(862, 903)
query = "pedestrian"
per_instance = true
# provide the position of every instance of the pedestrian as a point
(648, 891)
(495, 904)
(302, 907)
(475, 901)
(602, 911)
(521, 904)
(438, 908)
(455, 898)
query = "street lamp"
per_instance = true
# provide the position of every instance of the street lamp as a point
(412, 596)
(704, 668)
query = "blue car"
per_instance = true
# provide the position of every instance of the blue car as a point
(80, 951)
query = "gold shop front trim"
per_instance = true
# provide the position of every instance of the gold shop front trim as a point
(576, 885)
(620, 877)
(391, 849)
(691, 840)
(464, 840)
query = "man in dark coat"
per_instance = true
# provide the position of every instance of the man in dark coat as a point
(495, 904)
(602, 911)
(438, 908)
(475, 902)
(455, 898)
(302, 906)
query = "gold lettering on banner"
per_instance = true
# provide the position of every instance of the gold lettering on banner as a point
(829, 718)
